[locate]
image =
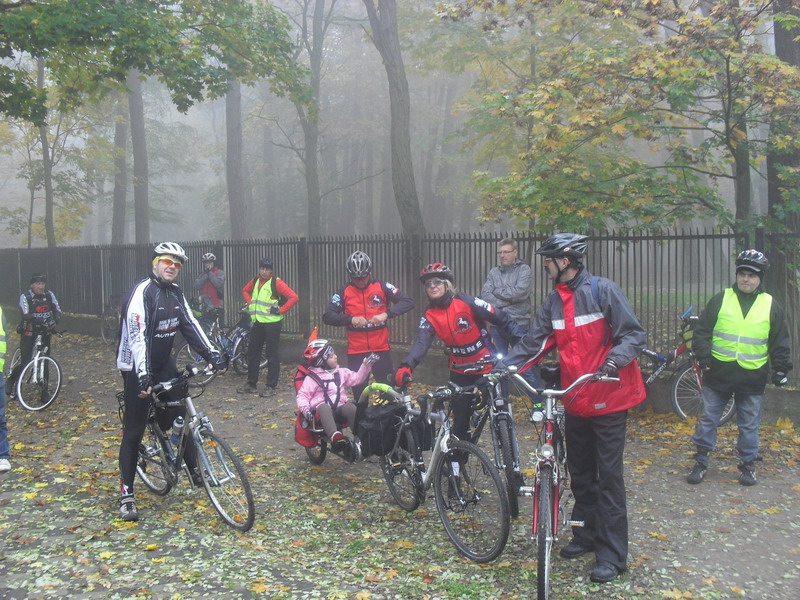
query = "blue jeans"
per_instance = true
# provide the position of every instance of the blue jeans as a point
(4, 449)
(748, 418)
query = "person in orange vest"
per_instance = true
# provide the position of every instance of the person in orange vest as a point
(268, 298)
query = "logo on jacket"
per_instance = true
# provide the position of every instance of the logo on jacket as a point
(376, 300)
(463, 324)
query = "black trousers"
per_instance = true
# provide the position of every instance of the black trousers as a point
(26, 343)
(380, 370)
(594, 456)
(261, 334)
(135, 422)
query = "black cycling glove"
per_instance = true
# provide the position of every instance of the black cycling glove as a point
(145, 382)
(219, 361)
(779, 378)
(608, 369)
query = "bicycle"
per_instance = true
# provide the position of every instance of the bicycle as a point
(551, 483)
(494, 406)
(110, 320)
(470, 496)
(234, 343)
(686, 381)
(39, 382)
(160, 460)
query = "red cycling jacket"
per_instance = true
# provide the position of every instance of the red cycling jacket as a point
(378, 297)
(461, 325)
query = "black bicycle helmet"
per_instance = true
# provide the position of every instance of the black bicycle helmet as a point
(436, 270)
(265, 263)
(38, 278)
(753, 260)
(359, 264)
(572, 245)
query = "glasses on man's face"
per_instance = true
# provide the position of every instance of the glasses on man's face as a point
(503, 252)
(432, 283)
(171, 263)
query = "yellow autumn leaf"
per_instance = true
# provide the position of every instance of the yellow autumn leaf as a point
(363, 595)
(391, 574)
(106, 554)
(159, 560)
(737, 590)
(30, 495)
(258, 588)
(658, 536)
(772, 510)
(151, 547)
(404, 544)
(40, 485)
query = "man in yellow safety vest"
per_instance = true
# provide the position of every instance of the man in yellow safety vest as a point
(741, 336)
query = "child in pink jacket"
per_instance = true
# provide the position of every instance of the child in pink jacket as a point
(323, 390)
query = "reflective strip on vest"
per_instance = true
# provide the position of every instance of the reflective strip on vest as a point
(2, 343)
(261, 302)
(742, 339)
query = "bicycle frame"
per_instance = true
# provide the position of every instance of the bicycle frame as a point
(497, 405)
(665, 361)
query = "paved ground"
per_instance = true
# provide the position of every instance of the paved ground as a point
(332, 531)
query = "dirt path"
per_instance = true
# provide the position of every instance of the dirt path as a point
(332, 531)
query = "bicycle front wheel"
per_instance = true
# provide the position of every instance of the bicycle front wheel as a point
(687, 396)
(109, 327)
(401, 472)
(471, 501)
(187, 356)
(505, 434)
(544, 531)
(225, 481)
(39, 383)
(153, 464)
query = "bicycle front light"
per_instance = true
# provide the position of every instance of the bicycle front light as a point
(547, 451)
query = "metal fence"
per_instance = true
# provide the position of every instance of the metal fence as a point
(662, 273)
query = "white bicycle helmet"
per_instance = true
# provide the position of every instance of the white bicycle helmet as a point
(172, 249)
(208, 256)
(317, 352)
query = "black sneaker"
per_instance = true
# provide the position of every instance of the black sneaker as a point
(248, 389)
(748, 474)
(574, 550)
(697, 475)
(127, 509)
(268, 392)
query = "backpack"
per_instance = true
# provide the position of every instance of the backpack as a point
(377, 428)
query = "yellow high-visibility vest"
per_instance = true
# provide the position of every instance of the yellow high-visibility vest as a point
(261, 303)
(739, 338)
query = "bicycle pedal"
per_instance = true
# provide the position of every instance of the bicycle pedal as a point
(576, 523)
(525, 490)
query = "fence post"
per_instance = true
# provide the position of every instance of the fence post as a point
(304, 287)
(760, 241)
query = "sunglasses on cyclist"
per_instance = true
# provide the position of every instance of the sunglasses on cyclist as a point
(170, 261)
(433, 283)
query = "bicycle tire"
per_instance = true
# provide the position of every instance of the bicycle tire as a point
(16, 358)
(109, 327)
(240, 349)
(544, 532)
(187, 356)
(476, 518)
(37, 391)
(505, 435)
(316, 454)
(687, 397)
(401, 472)
(225, 480)
(153, 464)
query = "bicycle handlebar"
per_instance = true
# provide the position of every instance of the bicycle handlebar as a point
(479, 364)
(164, 386)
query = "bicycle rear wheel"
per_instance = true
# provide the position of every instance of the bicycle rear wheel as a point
(471, 501)
(39, 383)
(544, 532)
(153, 464)
(187, 356)
(109, 327)
(316, 454)
(401, 472)
(225, 481)
(687, 396)
(505, 432)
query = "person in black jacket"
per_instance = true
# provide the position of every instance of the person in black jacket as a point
(740, 337)
(153, 311)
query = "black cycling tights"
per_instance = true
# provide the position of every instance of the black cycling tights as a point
(136, 411)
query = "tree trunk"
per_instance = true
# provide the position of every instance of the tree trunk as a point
(783, 278)
(141, 199)
(233, 161)
(47, 169)
(383, 20)
(742, 184)
(118, 212)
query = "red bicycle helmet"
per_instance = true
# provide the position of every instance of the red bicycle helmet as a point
(317, 352)
(436, 270)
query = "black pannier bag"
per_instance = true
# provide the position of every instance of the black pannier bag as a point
(377, 428)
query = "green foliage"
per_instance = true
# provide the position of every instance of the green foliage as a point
(192, 46)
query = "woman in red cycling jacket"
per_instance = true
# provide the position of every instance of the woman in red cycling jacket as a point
(462, 323)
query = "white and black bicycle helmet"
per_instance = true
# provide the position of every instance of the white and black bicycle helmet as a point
(572, 245)
(208, 256)
(359, 264)
(753, 260)
(172, 249)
